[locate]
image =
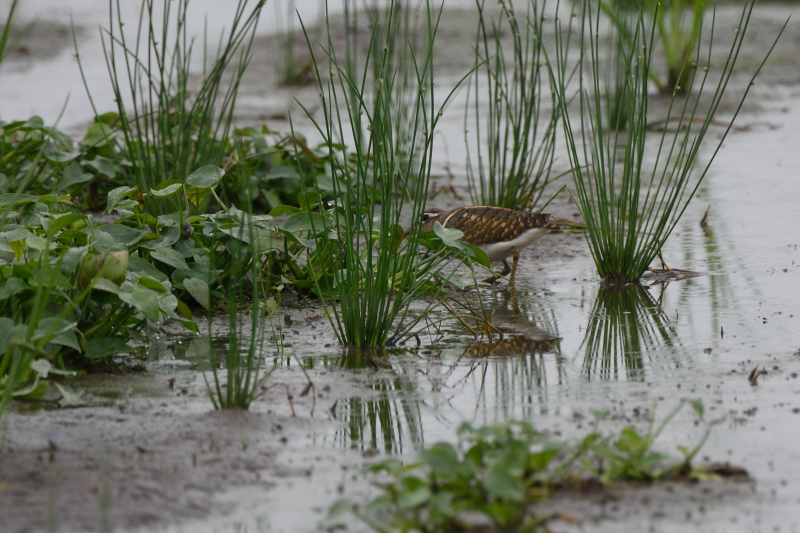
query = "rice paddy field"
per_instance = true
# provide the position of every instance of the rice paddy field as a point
(115, 390)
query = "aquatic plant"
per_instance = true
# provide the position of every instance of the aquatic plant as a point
(499, 471)
(631, 205)
(516, 146)
(243, 358)
(168, 129)
(375, 272)
(677, 23)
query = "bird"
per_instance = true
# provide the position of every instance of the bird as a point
(498, 231)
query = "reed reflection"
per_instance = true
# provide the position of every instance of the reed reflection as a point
(627, 330)
(390, 422)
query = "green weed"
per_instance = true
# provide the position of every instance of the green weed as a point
(498, 471)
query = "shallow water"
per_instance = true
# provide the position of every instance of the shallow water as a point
(572, 348)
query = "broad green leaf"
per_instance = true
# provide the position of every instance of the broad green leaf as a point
(196, 195)
(199, 291)
(104, 166)
(141, 267)
(72, 175)
(283, 172)
(414, 492)
(41, 367)
(52, 153)
(153, 284)
(57, 331)
(98, 135)
(304, 221)
(49, 277)
(62, 221)
(205, 177)
(17, 199)
(500, 484)
(143, 299)
(170, 257)
(443, 459)
(122, 235)
(283, 209)
(102, 284)
(115, 195)
(104, 347)
(166, 190)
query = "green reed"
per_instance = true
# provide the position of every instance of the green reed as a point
(356, 226)
(243, 380)
(8, 41)
(168, 128)
(633, 185)
(515, 131)
(677, 23)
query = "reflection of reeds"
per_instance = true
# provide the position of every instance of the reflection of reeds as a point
(387, 422)
(625, 324)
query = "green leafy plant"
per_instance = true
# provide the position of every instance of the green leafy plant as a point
(375, 273)
(632, 204)
(516, 146)
(499, 471)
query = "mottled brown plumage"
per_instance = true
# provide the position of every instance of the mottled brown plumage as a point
(500, 232)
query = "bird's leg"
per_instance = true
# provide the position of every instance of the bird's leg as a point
(663, 264)
(506, 270)
(514, 266)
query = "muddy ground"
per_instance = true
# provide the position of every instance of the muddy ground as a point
(138, 453)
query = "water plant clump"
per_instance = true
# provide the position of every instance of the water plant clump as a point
(499, 471)
(632, 204)
(515, 146)
(368, 272)
(168, 129)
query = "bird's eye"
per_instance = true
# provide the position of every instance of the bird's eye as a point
(425, 217)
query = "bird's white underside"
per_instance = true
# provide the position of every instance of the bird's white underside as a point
(502, 250)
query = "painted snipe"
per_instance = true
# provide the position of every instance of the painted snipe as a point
(498, 231)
